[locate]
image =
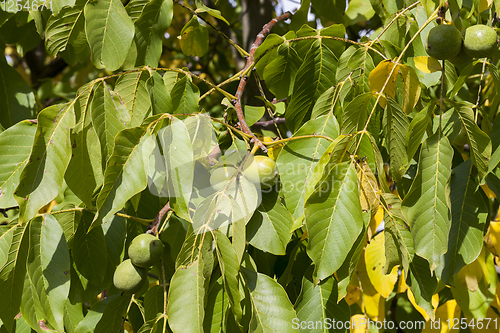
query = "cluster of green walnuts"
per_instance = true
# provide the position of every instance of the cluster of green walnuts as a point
(445, 42)
(131, 275)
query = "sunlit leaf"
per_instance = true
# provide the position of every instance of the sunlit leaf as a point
(186, 299)
(271, 308)
(427, 64)
(50, 155)
(427, 205)
(319, 303)
(333, 219)
(109, 32)
(15, 148)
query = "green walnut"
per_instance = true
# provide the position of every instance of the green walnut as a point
(221, 176)
(444, 42)
(261, 169)
(129, 278)
(480, 41)
(145, 250)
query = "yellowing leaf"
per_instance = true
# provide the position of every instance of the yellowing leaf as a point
(375, 262)
(359, 324)
(370, 301)
(471, 275)
(368, 186)
(402, 286)
(194, 38)
(427, 64)
(434, 301)
(353, 294)
(382, 79)
(489, 193)
(445, 315)
(411, 88)
(493, 237)
(375, 221)
(484, 4)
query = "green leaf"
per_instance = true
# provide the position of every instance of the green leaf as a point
(134, 8)
(109, 116)
(271, 308)
(229, 266)
(133, 91)
(65, 28)
(186, 299)
(57, 5)
(396, 124)
(346, 271)
(86, 161)
(417, 129)
(315, 76)
(318, 303)
(16, 97)
(332, 10)
(48, 271)
(153, 302)
(201, 8)
(125, 174)
(297, 160)
(89, 250)
(109, 32)
(398, 239)
(355, 114)
(334, 220)
(15, 149)
(266, 52)
(269, 229)
(50, 155)
(114, 312)
(280, 73)
(217, 308)
(12, 275)
(427, 205)
(179, 162)
(194, 38)
(185, 95)
(469, 214)
(149, 30)
(479, 142)
(422, 283)
(159, 94)
(88, 324)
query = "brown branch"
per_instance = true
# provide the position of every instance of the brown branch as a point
(153, 227)
(241, 87)
(271, 122)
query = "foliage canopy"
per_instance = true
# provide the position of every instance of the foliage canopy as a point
(115, 116)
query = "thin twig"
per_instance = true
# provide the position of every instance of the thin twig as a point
(153, 227)
(241, 87)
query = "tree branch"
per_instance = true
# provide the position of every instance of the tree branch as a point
(241, 87)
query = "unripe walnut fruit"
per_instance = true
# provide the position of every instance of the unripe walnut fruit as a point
(221, 176)
(261, 169)
(129, 278)
(480, 41)
(444, 42)
(145, 250)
